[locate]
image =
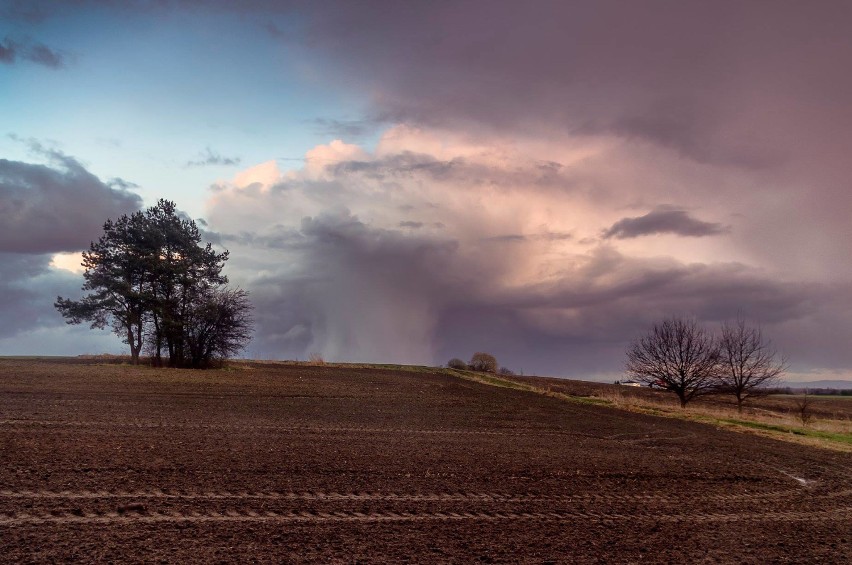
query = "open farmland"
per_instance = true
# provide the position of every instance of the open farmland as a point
(272, 463)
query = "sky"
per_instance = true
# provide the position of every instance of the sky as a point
(407, 182)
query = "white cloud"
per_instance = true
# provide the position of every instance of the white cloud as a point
(72, 262)
(264, 174)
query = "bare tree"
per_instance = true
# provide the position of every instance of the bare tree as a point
(677, 355)
(218, 325)
(749, 364)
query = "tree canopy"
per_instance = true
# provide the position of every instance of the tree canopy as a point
(750, 366)
(483, 362)
(676, 355)
(159, 286)
(681, 356)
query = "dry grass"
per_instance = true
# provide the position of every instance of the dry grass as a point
(714, 411)
(316, 360)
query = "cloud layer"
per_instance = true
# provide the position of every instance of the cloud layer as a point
(751, 96)
(435, 246)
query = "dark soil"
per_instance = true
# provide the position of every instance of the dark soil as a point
(276, 463)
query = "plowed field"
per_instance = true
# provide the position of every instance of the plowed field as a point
(277, 463)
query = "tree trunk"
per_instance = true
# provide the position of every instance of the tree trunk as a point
(134, 349)
(158, 342)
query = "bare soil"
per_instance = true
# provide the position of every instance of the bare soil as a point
(276, 463)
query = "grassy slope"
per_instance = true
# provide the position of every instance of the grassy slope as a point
(832, 440)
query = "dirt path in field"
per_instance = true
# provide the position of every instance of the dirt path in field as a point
(290, 464)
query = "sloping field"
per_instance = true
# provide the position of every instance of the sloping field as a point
(276, 463)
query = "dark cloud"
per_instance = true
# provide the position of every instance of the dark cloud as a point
(361, 293)
(580, 325)
(408, 164)
(354, 292)
(663, 221)
(8, 51)
(277, 238)
(31, 325)
(11, 50)
(28, 287)
(347, 129)
(672, 73)
(210, 157)
(55, 207)
(397, 164)
(518, 237)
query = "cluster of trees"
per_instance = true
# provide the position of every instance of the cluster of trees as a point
(153, 281)
(482, 362)
(683, 357)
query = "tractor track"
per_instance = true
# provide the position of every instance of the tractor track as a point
(258, 515)
(458, 496)
(24, 425)
(594, 499)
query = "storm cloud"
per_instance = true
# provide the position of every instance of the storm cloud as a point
(48, 208)
(663, 221)
(58, 206)
(28, 287)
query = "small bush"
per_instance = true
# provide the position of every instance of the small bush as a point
(456, 363)
(507, 371)
(484, 362)
(803, 410)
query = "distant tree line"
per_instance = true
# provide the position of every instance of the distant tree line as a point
(150, 278)
(814, 391)
(681, 356)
